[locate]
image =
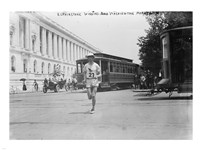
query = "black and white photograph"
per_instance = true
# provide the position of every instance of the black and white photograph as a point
(99, 75)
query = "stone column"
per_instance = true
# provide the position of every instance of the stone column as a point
(64, 49)
(81, 52)
(50, 44)
(71, 50)
(27, 34)
(60, 47)
(44, 42)
(55, 46)
(78, 57)
(75, 53)
(68, 51)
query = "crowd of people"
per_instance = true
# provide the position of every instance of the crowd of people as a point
(145, 81)
(70, 83)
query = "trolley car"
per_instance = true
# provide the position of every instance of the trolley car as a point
(117, 72)
(177, 60)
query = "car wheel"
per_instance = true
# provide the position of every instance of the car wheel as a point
(57, 88)
(44, 89)
(66, 88)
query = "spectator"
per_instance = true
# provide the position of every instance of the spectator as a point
(35, 84)
(24, 86)
(142, 82)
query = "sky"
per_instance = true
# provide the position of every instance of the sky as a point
(114, 34)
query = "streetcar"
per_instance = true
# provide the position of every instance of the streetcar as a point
(117, 72)
(177, 60)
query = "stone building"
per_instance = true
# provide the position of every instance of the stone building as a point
(38, 45)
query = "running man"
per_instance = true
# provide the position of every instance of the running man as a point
(91, 73)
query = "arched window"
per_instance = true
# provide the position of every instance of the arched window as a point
(59, 68)
(64, 70)
(12, 29)
(71, 71)
(13, 63)
(25, 65)
(49, 68)
(68, 71)
(42, 68)
(33, 42)
(11, 38)
(54, 67)
(35, 66)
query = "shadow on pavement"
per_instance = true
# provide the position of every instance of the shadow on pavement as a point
(166, 98)
(77, 113)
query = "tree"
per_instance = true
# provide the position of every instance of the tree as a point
(150, 48)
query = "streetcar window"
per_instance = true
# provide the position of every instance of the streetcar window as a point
(117, 67)
(114, 67)
(129, 69)
(132, 69)
(111, 67)
(104, 67)
(120, 68)
(123, 68)
(79, 68)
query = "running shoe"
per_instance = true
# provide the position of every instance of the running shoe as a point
(92, 111)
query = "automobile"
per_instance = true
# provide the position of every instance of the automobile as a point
(55, 84)
(81, 85)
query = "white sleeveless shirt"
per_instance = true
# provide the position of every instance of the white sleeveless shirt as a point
(91, 70)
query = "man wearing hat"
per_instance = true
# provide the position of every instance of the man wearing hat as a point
(91, 73)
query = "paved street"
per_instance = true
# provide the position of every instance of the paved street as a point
(122, 114)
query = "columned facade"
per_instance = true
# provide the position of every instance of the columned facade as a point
(37, 45)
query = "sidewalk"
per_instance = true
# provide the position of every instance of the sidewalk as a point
(142, 90)
(40, 91)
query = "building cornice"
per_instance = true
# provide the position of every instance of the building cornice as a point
(44, 20)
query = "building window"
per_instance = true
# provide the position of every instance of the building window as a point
(42, 68)
(35, 66)
(40, 39)
(64, 70)
(49, 68)
(11, 38)
(25, 65)
(54, 67)
(68, 71)
(59, 68)
(33, 42)
(71, 71)
(13, 63)
(12, 30)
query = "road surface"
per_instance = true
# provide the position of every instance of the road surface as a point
(121, 115)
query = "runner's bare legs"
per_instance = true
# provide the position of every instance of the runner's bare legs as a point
(89, 93)
(94, 90)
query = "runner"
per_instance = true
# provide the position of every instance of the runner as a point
(91, 73)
